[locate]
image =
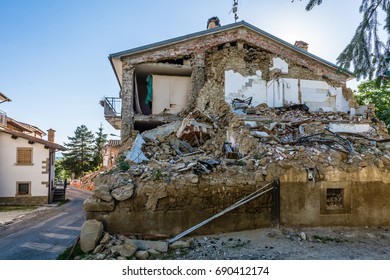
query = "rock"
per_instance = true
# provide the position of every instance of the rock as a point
(192, 178)
(98, 249)
(90, 235)
(94, 204)
(142, 255)
(128, 250)
(115, 250)
(103, 193)
(105, 239)
(145, 245)
(179, 245)
(302, 235)
(123, 193)
(153, 252)
(274, 233)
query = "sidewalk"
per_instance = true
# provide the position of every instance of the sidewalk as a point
(10, 216)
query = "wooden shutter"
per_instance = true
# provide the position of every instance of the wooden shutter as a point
(24, 156)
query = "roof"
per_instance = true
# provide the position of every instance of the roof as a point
(25, 127)
(33, 139)
(223, 28)
(3, 98)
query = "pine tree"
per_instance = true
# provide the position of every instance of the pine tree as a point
(366, 53)
(100, 141)
(80, 152)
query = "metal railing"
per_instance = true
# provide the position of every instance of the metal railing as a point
(112, 106)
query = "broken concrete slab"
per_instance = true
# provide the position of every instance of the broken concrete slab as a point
(136, 154)
(162, 130)
(349, 127)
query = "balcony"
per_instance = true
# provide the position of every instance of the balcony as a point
(112, 110)
(3, 118)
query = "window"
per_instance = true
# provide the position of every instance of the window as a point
(24, 156)
(23, 188)
(334, 199)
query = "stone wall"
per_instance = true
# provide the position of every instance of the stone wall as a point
(24, 200)
(164, 208)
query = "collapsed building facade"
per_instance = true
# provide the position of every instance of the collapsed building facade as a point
(210, 118)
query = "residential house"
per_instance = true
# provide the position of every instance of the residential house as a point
(287, 114)
(26, 163)
(110, 153)
(210, 69)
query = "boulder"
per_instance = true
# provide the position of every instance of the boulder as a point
(103, 192)
(123, 193)
(90, 235)
(94, 204)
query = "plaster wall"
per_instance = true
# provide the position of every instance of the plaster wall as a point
(281, 91)
(303, 202)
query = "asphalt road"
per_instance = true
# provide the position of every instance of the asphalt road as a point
(45, 234)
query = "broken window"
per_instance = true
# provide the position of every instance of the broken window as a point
(334, 199)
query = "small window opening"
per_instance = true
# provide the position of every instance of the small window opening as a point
(334, 199)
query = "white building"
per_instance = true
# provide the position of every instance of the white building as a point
(26, 163)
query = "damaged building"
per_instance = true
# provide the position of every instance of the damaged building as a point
(211, 118)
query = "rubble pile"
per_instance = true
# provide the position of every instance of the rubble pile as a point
(182, 173)
(266, 139)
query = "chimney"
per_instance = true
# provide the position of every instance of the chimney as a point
(50, 135)
(301, 44)
(213, 22)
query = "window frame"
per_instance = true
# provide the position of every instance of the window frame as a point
(345, 191)
(19, 150)
(18, 193)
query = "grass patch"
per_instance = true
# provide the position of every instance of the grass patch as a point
(77, 252)
(326, 239)
(63, 202)
(9, 208)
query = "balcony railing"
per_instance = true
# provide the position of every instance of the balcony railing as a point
(112, 106)
(3, 118)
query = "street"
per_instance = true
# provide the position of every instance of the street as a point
(47, 234)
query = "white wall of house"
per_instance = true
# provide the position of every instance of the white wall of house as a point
(170, 93)
(10, 173)
(317, 95)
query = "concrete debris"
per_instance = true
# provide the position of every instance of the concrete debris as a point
(136, 155)
(194, 132)
(210, 162)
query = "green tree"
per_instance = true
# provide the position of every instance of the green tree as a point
(100, 141)
(369, 93)
(366, 53)
(60, 171)
(79, 156)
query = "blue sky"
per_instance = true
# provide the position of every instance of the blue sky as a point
(53, 54)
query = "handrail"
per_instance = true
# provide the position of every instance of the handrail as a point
(112, 106)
